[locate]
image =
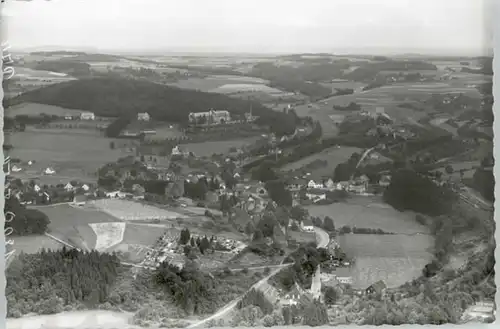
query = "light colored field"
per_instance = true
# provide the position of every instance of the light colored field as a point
(37, 109)
(209, 148)
(333, 155)
(364, 212)
(240, 87)
(23, 72)
(130, 210)
(395, 259)
(33, 244)
(58, 151)
(108, 234)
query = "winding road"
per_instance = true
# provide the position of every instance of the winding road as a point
(322, 238)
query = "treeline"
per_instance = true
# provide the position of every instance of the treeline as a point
(410, 190)
(74, 68)
(117, 97)
(346, 229)
(54, 281)
(25, 221)
(352, 106)
(370, 70)
(115, 128)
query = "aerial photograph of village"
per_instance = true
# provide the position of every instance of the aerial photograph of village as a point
(208, 190)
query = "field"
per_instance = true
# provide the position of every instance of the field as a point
(33, 244)
(37, 109)
(133, 211)
(390, 97)
(215, 81)
(395, 259)
(57, 150)
(333, 155)
(364, 212)
(108, 234)
(211, 147)
(26, 73)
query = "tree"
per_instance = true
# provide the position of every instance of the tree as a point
(328, 224)
(278, 193)
(330, 296)
(298, 213)
(257, 235)
(249, 228)
(204, 244)
(449, 169)
(315, 314)
(264, 172)
(185, 236)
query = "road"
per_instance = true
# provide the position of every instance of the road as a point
(323, 239)
(226, 309)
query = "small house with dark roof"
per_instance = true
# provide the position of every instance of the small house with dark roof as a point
(376, 288)
(307, 225)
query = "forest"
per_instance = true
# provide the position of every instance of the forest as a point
(53, 281)
(120, 97)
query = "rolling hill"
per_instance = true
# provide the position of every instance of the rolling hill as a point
(119, 97)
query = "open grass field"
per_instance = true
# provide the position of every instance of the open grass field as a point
(27, 73)
(395, 259)
(211, 147)
(37, 109)
(33, 244)
(108, 234)
(58, 151)
(133, 211)
(333, 155)
(368, 212)
(211, 83)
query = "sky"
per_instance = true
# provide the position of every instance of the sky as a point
(251, 26)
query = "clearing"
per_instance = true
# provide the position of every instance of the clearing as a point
(332, 155)
(133, 211)
(108, 234)
(58, 151)
(33, 243)
(395, 259)
(369, 212)
(37, 109)
(211, 147)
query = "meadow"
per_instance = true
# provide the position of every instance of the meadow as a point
(72, 156)
(133, 211)
(38, 109)
(210, 147)
(395, 259)
(368, 212)
(34, 243)
(333, 156)
(215, 81)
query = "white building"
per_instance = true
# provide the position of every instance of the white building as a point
(211, 117)
(68, 187)
(307, 225)
(313, 184)
(49, 171)
(87, 116)
(85, 187)
(143, 116)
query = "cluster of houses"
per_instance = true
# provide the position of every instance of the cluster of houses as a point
(34, 193)
(90, 116)
(316, 190)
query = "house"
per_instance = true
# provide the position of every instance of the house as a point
(36, 188)
(329, 184)
(342, 275)
(79, 200)
(296, 295)
(15, 169)
(296, 184)
(307, 225)
(344, 185)
(143, 116)
(210, 117)
(68, 117)
(68, 187)
(116, 194)
(316, 195)
(385, 180)
(313, 184)
(85, 187)
(49, 171)
(376, 288)
(177, 151)
(87, 116)
(359, 189)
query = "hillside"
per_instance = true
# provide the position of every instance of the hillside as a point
(117, 97)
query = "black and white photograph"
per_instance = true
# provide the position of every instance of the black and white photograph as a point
(200, 164)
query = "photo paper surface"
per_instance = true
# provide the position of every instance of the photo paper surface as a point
(243, 163)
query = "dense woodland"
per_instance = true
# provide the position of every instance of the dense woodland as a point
(25, 221)
(52, 281)
(124, 98)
